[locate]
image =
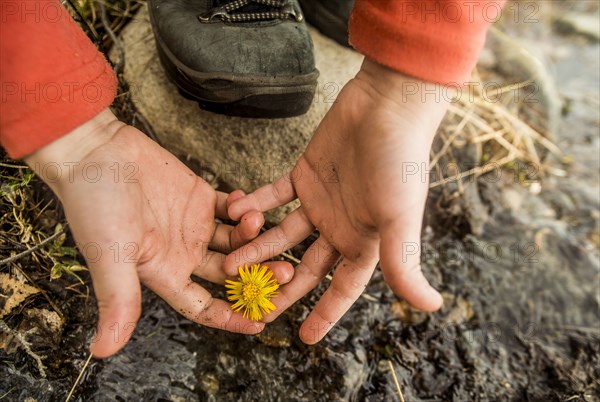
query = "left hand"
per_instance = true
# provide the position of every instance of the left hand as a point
(139, 215)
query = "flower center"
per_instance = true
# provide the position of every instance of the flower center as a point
(250, 291)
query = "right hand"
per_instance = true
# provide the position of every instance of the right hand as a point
(362, 183)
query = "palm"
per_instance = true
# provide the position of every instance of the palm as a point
(366, 153)
(355, 188)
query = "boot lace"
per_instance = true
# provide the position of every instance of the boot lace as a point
(278, 9)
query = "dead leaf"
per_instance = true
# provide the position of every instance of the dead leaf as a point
(408, 314)
(13, 293)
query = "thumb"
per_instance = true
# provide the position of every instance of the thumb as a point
(400, 253)
(118, 291)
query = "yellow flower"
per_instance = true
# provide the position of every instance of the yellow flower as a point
(253, 293)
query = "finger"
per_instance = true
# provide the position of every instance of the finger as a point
(227, 238)
(196, 304)
(291, 231)
(400, 252)
(221, 205)
(234, 196)
(265, 198)
(223, 202)
(316, 262)
(211, 269)
(118, 292)
(349, 281)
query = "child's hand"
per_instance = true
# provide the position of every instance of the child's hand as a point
(362, 182)
(139, 215)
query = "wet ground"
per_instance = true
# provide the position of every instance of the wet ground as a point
(521, 319)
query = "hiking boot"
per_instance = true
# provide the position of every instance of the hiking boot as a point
(330, 17)
(251, 58)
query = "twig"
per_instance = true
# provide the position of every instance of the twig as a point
(8, 260)
(29, 251)
(512, 87)
(7, 392)
(44, 208)
(78, 378)
(104, 18)
(474, 119)
(447, 144)
(85, 24)
(368, 297)
(43, 292)
(478, 171)
(8, 165)
(291, 257)
(396, 380)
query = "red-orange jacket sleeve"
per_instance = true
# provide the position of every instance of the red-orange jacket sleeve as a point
(436, 41)
(53, 78)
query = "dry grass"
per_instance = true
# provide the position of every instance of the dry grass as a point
(33, 234)
(398, 388)
(497, 128)
(101, 17)
(34, 252)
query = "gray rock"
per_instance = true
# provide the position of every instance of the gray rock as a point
(243, 153)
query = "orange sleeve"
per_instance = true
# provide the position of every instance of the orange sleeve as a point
(53, 78)
(436, 41)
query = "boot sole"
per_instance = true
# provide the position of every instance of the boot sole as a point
(240, 95)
